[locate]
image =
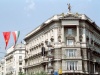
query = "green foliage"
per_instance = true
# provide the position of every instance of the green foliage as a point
(21, 73)
(43, 73)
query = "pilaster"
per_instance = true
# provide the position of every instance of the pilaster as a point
(77, 33)
(62, 32)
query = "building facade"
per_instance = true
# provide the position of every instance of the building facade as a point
(71, 44)
(2, 66)
(14, 60)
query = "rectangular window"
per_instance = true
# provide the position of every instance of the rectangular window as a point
(20, 57)
(2, 73)
(71, 65)
(69, 32)
(20, 62)
(71, 52)
(2, 68)
(70, 42)
(20, 51)
(20, 69)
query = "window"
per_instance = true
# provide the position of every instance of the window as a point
(70, 31)
(2, 73)
(71, 53)
(20, 51)
(71, 65)
(20, 62)
(70, 42)
(20, 57)
(20, 69)
(2, 68)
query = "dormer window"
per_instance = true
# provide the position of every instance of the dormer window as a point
(69, 31)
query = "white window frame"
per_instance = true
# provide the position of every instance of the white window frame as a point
(70, 42)
(72, 65)
(20, 57)
(71, 52)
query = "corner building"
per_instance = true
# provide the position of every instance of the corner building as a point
(2, 66)
(71, 42)
(14, 60)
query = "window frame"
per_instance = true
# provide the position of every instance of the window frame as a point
(69, 31)
(71, 52)
(72, 65)
(20, 57)
(20, 62)
(68, 42)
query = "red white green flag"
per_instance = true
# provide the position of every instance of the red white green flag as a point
(16, 36)
(6, 37)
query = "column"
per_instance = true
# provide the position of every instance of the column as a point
(26, 72)
(62, 32)
(49, 36)
(94, 67)
(55, 35)
(46, 68)
(93, 39)
(77, 33)
(89, 37)
(84, 35)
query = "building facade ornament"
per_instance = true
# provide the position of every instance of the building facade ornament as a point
(69, 7)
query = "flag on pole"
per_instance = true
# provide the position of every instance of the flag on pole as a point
(6, 37)
(16, 36)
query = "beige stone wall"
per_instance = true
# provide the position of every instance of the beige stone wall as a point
(58, 31)
(79, 65)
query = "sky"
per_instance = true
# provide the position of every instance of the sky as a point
(26, 15)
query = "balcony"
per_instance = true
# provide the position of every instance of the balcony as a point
(94, 49)
(20, 59)
(70, 36)
(72, 71)
(50, 56)
(65, 57)
(50, 67)
(96, 61)
(44, 60)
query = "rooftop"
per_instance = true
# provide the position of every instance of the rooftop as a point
(57, 17)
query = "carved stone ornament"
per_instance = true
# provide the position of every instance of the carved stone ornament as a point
(52, 39)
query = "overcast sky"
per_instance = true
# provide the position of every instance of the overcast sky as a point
(25, 15)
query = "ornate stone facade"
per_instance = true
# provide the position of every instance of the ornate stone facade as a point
(75, 46)
(14, 60)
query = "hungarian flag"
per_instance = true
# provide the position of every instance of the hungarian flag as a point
(16, 36)
(6, 37)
